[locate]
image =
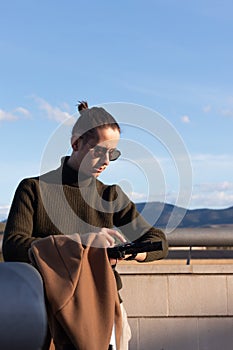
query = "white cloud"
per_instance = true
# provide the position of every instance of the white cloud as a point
(207, 109)
(7, 116)
(212, 181)
(204, 195)
(185, 119)
(137, 197)
(227, 112)
(219, 163)
(22, 111)
(212, 195)
(212, 158)
(212, 184)
(16, 114)
(215, 187)
(60, 115)
(54, 113)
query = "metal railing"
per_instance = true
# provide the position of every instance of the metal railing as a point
(205, 244)
(197, 244)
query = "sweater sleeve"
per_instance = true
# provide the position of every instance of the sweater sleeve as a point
(135, 227)
(18, 233)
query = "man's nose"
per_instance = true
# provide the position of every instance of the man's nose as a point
(106, 158)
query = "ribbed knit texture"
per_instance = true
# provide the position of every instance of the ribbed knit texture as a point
(65, 202)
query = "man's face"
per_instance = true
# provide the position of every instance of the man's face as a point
(92, 159)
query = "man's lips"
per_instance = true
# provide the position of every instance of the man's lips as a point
(99, 170)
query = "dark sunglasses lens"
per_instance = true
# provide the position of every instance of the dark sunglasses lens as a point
(114, 155)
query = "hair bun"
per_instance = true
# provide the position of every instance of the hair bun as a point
(82, 105)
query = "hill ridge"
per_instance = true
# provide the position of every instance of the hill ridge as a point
(161, 214)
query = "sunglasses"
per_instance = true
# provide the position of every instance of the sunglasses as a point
(100, 152)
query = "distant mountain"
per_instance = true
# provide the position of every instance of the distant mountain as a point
(167, 215)
(161, 215)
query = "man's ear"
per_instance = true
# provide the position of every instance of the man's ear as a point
(75, 143)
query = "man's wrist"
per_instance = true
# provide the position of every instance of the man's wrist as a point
(141, 257)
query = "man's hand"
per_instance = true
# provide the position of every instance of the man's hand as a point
(110, 235)
(104, 238)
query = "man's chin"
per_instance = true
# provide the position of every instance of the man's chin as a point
(96, 174)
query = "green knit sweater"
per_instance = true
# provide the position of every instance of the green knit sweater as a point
(65, 202)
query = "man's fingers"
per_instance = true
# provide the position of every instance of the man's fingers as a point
(116, 234)
(110, 240)
(105, 237)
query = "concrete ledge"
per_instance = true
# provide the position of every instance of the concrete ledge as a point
(125, 268)
(178, 306)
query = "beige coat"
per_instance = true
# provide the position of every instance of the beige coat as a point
(81, 291)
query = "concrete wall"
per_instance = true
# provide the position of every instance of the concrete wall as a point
(179, 307)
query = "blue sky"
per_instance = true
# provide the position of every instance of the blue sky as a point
(170, 56)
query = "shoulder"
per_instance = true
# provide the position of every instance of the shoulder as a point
(35, 181)
(28, 184)
(27, 188)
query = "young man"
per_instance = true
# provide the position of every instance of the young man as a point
(72, 200)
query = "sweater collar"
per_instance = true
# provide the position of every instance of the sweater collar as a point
(72, 177)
